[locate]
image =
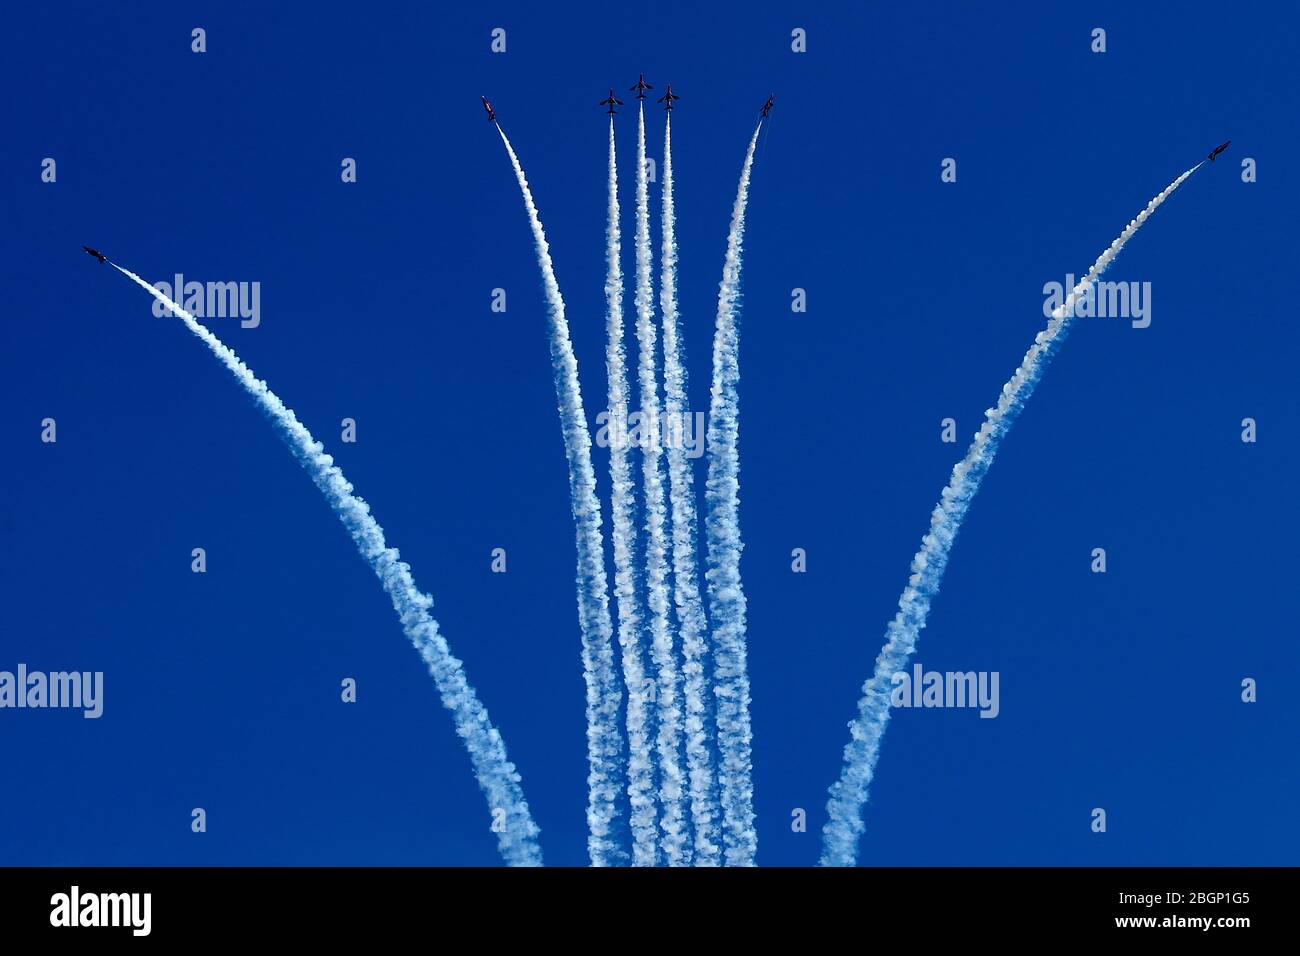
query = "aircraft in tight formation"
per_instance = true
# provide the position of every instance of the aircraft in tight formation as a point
(668, 99)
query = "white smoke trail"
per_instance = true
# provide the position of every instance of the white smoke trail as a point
(604, 741)
(672, 791)
(623, 534)
(844, 825)
(722, 527)
(690, 607)
(496, 774)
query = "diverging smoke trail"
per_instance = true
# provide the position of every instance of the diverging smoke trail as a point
(640, 769)
(672, 792)
(844, 824)
(496, 774)
(686, 590)
(604, 741)
(722, 527)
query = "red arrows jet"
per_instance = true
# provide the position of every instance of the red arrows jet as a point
(668, 97)
(611, 102)
(1219, 149)
(640, 87)
(96, 253)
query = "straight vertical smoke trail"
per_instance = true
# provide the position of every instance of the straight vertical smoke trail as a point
(844, 825)
(604, 741)
(640, 770)
(496, 774)
(722, 532)
(672, 791)
(686, 590)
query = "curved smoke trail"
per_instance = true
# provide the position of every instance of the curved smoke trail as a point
(722, 526)
(496, 774)
(690, 607)
(604, 742)
(672, 792)
(844, 826)
(640, 769)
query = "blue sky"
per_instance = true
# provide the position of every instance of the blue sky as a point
(1118, 690)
